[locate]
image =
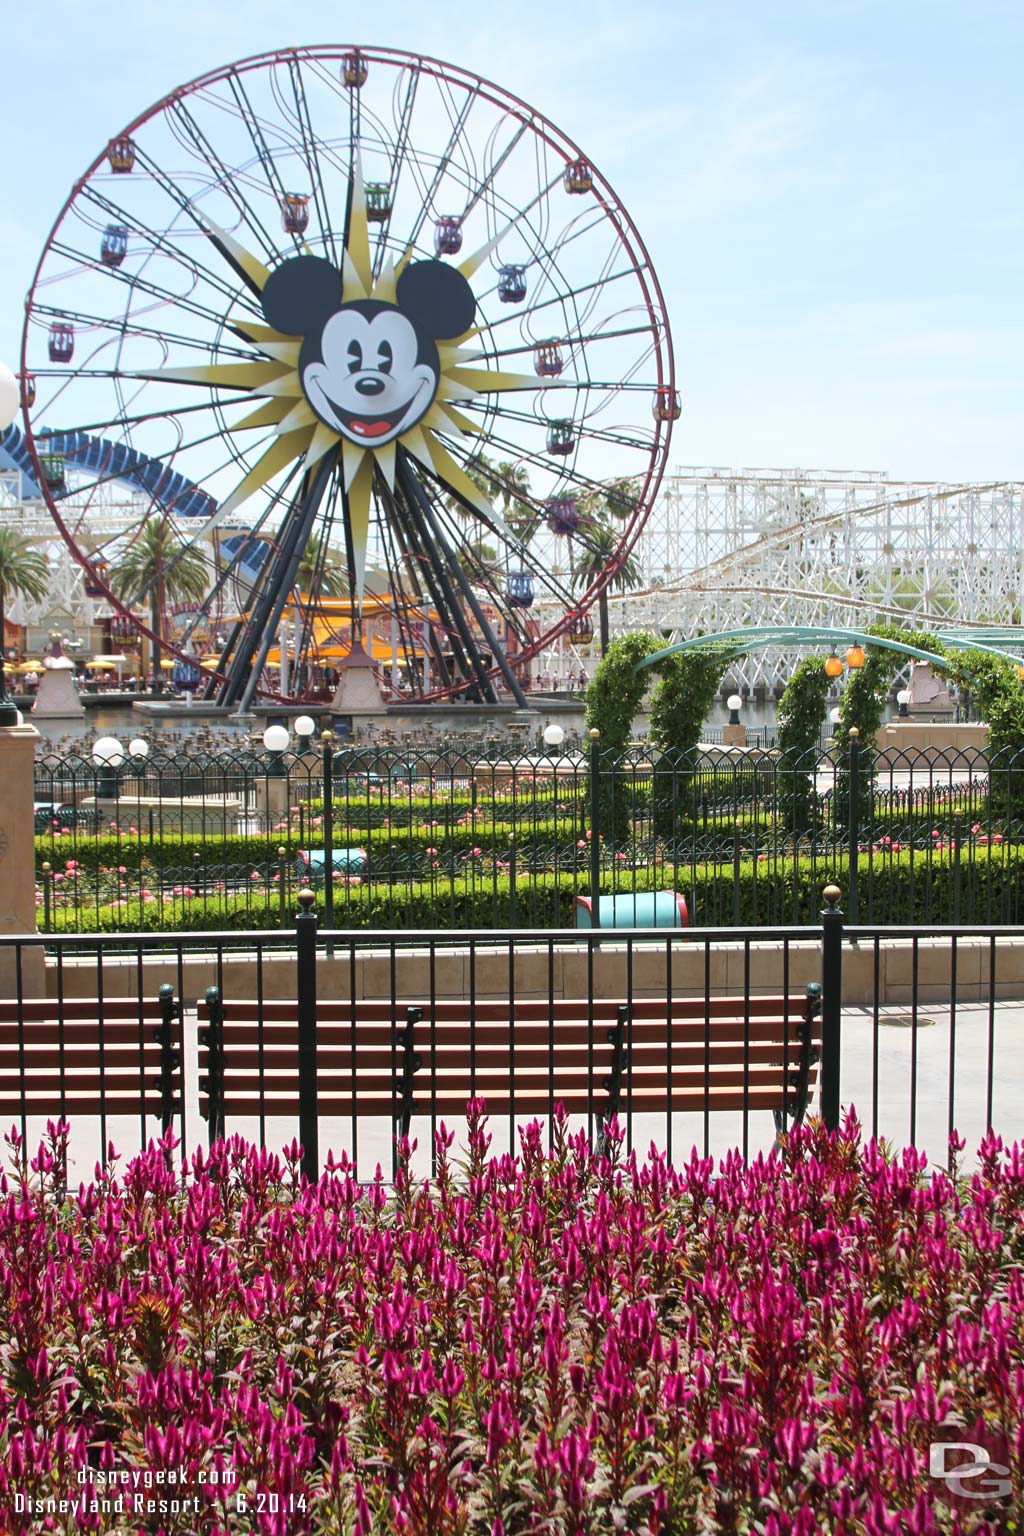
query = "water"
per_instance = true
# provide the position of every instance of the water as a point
(122, 721)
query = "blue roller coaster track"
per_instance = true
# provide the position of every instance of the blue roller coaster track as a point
(167, 488)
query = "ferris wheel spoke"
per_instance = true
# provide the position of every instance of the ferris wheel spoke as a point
(126, 419)
(427, 200)
(260, 145)
(598, 285)
(397, 161)
(158, 243)
(121, 326)
(309, 155)
(187, 207)
(488, 181)
(134, 283)
(570, 341)
(225, 179)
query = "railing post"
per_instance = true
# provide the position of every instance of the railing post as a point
(513, 906)
(595, 828)
(305, 956)
(831, 1005)
(47, 873)
(170, 1058)
(736, 874)
(282, 882)
(854, 828)
(327, 738)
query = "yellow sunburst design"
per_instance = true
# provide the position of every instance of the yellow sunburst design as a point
(272, 377)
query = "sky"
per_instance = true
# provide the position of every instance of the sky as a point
(830, 190)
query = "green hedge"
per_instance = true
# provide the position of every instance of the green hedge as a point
(903, 888)
(402, 809)
(173, 858)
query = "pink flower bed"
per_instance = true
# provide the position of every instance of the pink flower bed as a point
(552, 1344)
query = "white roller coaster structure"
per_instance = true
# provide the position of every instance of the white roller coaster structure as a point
(725, 549)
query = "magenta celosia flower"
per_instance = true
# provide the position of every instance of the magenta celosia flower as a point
(543, 1342)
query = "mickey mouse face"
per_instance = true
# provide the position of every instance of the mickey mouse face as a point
(371, 384)
(368, 369)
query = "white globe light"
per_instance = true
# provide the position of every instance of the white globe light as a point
(10, 397)
(305, 725)
(108, 751)
(275, 738)
(553, 735)
(903, 697)
(138, 748)
(833, 715)
(734, 701)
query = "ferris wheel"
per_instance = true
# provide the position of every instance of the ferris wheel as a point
(369, 337)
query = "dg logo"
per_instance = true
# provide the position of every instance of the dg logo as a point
(974, 1471)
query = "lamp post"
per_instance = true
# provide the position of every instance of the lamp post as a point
(734, 733)
(108, 754)
(833, 716)
(553, 738)
(275, 740)
(903, 700)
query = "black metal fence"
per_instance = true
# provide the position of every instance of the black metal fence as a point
(425, 839)
(343, 1038)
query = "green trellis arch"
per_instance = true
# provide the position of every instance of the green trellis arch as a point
(757, 637)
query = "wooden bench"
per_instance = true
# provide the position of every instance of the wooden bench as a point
(393, 1059)
(86, 1056)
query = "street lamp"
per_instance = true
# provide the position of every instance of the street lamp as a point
(275, 739)
(855, 658)
(553, 738)
(108, 755)
(734, 704)
(305, 727)
(903, 699)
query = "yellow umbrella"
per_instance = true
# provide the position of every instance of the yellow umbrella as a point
(167, 664)
(28, 666)
(96, 665)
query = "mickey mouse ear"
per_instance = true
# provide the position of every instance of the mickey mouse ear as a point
(299, 295)
(437, 297)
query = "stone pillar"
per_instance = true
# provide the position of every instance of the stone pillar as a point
(271, 800)
(734, 735)
(17, 859)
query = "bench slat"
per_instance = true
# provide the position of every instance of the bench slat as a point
(456, 1058)
(529, 1102)
(522, 1010)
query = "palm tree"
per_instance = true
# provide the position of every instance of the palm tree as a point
(157, 564)
(23, 573)
(512, 481)
(599, 543)
(318, 575)
(479, 561)
(482, 473)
